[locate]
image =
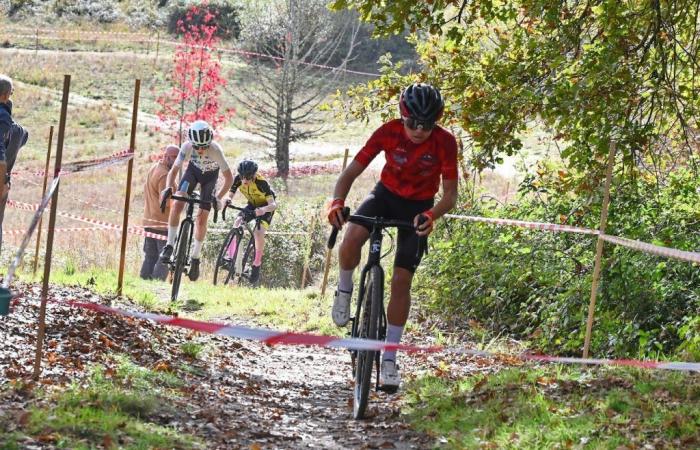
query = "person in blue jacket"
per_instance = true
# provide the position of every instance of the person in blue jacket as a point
(12, 138)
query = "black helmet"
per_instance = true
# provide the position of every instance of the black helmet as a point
(247, 168)
(200, 134)
(422, 102)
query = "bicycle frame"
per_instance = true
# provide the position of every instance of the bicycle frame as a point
(241, 252)
(373, 325)
(178, 265)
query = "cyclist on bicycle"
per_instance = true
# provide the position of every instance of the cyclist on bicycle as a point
(418, 153)
(261, 203)
(206, 160)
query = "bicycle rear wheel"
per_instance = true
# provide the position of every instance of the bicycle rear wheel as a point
(181, 249)
(220, 263)
(248, 256)
(368, 327)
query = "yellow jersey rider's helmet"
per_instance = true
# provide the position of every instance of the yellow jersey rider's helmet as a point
(247, 169)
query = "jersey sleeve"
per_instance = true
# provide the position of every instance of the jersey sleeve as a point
(449, 160)
(218, 156)
(185, 151)
(372, 147)
(236, 184)
(265, 188)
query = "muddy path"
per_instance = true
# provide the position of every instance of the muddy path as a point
(237, 394)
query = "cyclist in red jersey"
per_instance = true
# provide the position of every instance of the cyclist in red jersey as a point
(419, 153)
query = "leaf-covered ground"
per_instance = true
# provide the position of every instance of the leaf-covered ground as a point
(226, 393)
(113, 382)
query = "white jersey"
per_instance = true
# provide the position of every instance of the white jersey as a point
(212, 160)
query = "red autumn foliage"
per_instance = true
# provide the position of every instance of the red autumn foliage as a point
(196, 78)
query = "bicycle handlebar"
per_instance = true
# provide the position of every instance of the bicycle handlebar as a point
(382, 223)
(169, 194)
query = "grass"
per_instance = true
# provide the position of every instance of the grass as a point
(115, 407)
(559, 407)
(279, 308)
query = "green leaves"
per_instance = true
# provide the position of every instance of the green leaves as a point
(590, 71)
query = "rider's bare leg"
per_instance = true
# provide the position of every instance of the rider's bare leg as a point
(200, 231)
(349, 254)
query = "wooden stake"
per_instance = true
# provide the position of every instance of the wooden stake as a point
(43, 192)
(599, 249)
(36, 43)
(327, 263)
(125, 223)
(52, 224)
(307, 256)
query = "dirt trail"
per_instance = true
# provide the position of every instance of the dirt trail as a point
(239, 393)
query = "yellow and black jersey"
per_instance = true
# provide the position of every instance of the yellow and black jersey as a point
(258, 192)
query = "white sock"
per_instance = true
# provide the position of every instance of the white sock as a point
(197, 249)
(345, 280)
(393, 336)
(172, 235)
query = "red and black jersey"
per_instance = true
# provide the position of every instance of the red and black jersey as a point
(412, 171)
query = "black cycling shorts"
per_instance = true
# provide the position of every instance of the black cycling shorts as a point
(383, 203)
(207, 181)
(248, 214)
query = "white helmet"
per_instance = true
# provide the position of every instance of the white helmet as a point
(200, 134)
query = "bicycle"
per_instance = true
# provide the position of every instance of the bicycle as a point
(180, 260)
(370, 320)
(237, 267)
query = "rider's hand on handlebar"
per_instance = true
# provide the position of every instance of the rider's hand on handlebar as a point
(424, 223)
(335, 213)
(166, 193)
(259, 212)
(220, 203)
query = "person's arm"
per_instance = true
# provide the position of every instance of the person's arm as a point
(265, 188)
(446, 203)
(271, 206)
(228, 182)
(341, 190)
(5, 127)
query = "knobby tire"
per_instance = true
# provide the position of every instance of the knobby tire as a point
(180, 258)
(368, 328)
(222, 254)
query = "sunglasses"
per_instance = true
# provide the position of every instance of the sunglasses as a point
(414, 124)
(248, 177)
(199, 147)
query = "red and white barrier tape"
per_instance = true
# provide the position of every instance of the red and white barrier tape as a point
(279, 233)
(60, 230)
(88, 38)
(654, 249)
(88, 164)
(134, 229)
(28, 235)
(524, 224)
(59, 31)
(273, 337)
(87, 203)
(146, 39)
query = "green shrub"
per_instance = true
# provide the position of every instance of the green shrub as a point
(536, 285)
(284, 256)
(227, 18)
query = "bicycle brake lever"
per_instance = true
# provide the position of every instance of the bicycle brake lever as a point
(422, 240)
(166, 195)
(334, 233)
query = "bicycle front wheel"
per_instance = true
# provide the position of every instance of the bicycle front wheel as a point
(368, 328)
(221, 265)
(181, 248)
